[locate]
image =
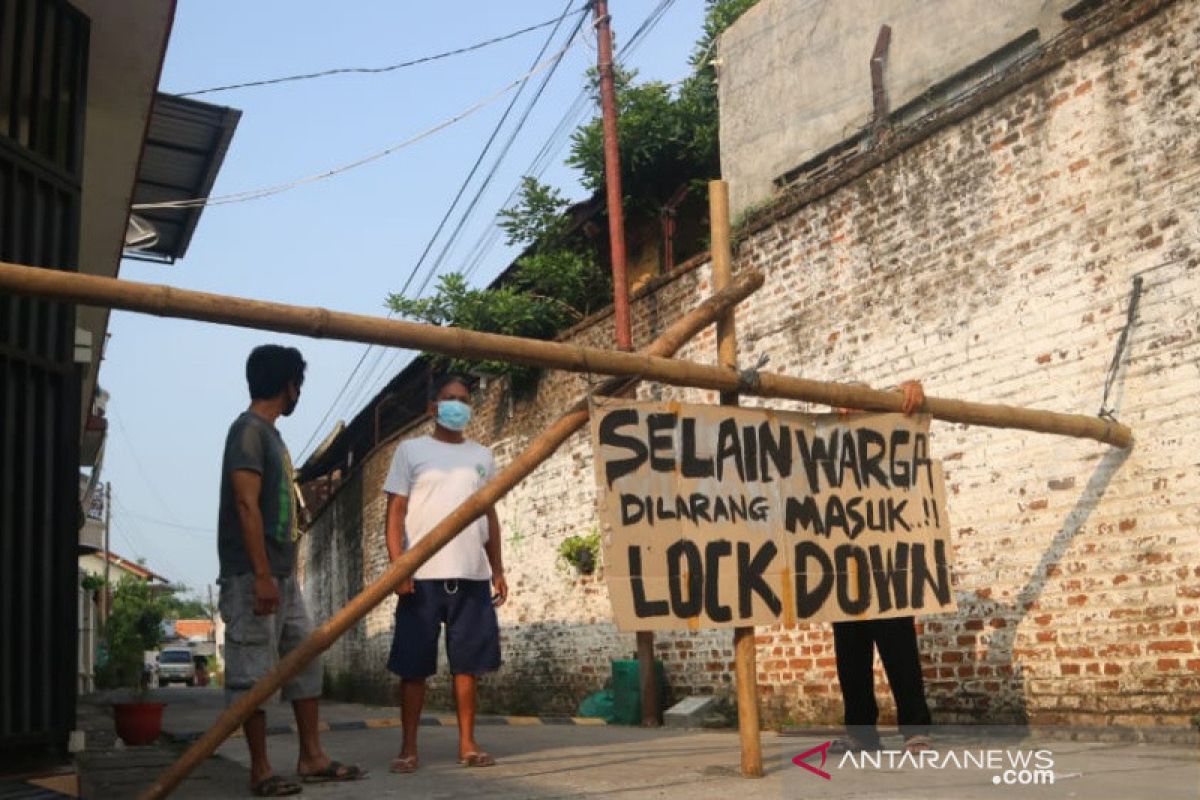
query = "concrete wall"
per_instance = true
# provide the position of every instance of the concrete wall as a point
(993, 259)
(795, 74)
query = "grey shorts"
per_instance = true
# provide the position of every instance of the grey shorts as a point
(254, 644)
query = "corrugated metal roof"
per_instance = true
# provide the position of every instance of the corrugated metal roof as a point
(185, 147)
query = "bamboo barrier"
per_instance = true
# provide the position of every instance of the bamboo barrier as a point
(745, 658)
(322, 323)
(540, 449)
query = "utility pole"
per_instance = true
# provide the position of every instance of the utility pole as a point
(612, 176)
(107, 524)
(648, 677)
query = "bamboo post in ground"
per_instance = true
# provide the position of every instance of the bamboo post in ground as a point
(321, 323)
(745, 661)
(647, 679)
(540, 449)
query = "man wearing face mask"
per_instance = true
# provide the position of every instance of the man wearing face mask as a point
(260, 602)
(430, 476)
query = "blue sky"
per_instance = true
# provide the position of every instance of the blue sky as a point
(342, 243)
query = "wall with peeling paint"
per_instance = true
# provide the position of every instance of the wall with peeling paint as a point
(993, 258)
(795, 78)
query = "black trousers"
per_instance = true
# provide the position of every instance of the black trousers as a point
(896, 638)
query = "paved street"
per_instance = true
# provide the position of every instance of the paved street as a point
(540, 759)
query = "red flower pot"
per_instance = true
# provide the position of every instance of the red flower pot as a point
(138, 723)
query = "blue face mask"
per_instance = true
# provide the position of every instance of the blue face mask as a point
(453, 415)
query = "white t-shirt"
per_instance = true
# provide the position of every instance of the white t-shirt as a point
(437, 477)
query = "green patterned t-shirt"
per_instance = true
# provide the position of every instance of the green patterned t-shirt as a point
(254, 444)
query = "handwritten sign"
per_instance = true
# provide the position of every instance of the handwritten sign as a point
(720, 517)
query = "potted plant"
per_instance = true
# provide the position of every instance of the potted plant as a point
(132, 628)
(581, 551)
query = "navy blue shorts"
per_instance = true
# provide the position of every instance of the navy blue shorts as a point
(472, 631)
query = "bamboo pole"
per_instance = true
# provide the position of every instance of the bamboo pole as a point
(322, 323)
(540, 449)
(744, 656)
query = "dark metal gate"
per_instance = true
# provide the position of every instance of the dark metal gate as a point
(43, 65)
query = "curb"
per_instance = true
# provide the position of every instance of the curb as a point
(442, 720)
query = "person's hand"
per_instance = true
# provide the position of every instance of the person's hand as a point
(406, 587)
(914, 396)
(266, 595)
(501, 587)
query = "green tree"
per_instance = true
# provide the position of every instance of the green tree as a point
(665, 139)
(556, 283)
(176, 607)
(134, 625)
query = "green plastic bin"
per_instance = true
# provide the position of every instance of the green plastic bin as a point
(627, 690)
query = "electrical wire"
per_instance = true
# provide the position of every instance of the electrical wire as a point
(549, 149)
(125, 437)
(257, 194)
(377, 70)
(556, 60)
(452, 239)
(486, 242)
(126, 527)
(558, 137)
(512, 137)
(195, 531)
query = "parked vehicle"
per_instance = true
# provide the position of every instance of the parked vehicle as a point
(176, 664)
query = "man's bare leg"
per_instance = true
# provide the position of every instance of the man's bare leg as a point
(465, 700)
(255, 730)
(308, 721)
(412, 701)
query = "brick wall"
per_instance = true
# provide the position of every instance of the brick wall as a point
(994, 260)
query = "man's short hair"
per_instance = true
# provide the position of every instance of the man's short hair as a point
(271, 367)
(440, 382)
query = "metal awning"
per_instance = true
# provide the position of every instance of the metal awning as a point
(185, 146)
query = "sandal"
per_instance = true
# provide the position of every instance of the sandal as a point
(335, 771)
(275, 786)
(477, 759)
(403, 764)
(851, 745)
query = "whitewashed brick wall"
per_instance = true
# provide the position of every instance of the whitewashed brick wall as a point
(994, 261)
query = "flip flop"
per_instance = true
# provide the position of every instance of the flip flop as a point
(477, 759)
(403, 764)
(334, 772)
(851, 745)
(275, 786)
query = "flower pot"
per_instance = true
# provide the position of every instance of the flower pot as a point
(586, 562)
(138, 723)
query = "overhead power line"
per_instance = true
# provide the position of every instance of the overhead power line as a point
(570, 120)
(488, 239)
(549, 149)
(346, 385)
(256, 194)
(488, 146)
(376, 70)
(369, 376)
(512, 137)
